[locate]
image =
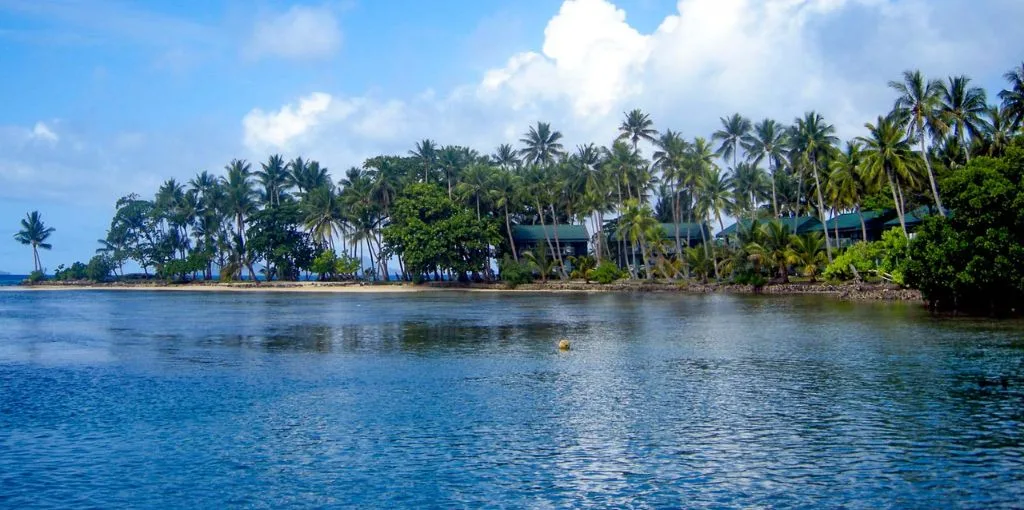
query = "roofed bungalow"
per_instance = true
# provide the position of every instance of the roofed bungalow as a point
(914, 218)
(848, 227)
(799, 225)
(689, 236)
(572, 238)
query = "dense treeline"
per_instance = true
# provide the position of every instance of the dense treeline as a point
(449, 211)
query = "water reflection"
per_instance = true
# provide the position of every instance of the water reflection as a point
(663, 401)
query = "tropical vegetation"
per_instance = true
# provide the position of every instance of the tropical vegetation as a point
(450, 212)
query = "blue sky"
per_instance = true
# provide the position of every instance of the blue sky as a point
(104, 98)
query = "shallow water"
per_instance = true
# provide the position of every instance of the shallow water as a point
(113, 399)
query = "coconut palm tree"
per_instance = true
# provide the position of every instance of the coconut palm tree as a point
(637, 126)
(541, 145)
(505, 193)
(963, 107)
(734, 129)
(636, 221)
(1013, 98)
(475, 185)
(670, 159)
(846, 187)
(505, 157)
(305, 176)
(805, 253)
(240, 201)
(273, 177)
(888, 158)
(426, 152)
(920, 104)
(749, 184)
(322, 214)
(34, 233)
(814, 141)
(996, 134)
(767, 142)
(775, 246)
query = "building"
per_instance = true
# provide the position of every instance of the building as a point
(573, 239)
(848, 229)
(913, 218)
(799, 225)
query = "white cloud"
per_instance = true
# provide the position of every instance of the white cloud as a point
(278, 129)
(43, 132)
(302, 32)
(708, 59)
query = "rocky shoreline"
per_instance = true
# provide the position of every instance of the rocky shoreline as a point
(845, 291)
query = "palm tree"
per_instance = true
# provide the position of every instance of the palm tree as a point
(749, 184)
(805, 253)
(888, 155)
(322, 214)
(274, 179)
(775, 245)
(542, 145)
(734, 129)
(426, 152)
(505, 157)
(670, 158)
(846, 186)
(1013, 98)
(637, 126)
(34, 233)
(814, 141)
(767, 142)
(240, 202)
(505, 194)
(996, 134)
(306, 176)
(638, 219)
(475, 185)
(919, 102)
(963, 107)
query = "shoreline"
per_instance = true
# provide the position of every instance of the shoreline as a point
(843, 291)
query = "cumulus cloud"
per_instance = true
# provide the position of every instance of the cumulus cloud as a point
(705, 60)
(302, 32)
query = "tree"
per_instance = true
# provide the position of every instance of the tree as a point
(734, 129)
(767, 142)
(505, 157)
(637, 126)
(962, 108)
(805, 252)
(1013, 97)
(750, 184)
(973, 261)
(888, 155)
(637, 219)
(274, 179)
(34, 233)
(240, 202)
(426, 152)
(814, 141)
(919, 105)
(846, 186)
(541, 144)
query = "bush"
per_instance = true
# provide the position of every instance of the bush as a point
(35, 277)
(886, 257)
(73, 273)
(99, 268)
(514, 273)
(605, 273)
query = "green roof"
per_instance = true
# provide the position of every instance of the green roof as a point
(914, 217)
(851, 221)
(669, 230)
(533, 233)
(797, 225)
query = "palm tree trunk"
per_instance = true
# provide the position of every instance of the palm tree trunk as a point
(775, 200)
(931, 176)
(863, 226)
(558, 245)
(676, 218)
(821, 210)
(544, 227)
(36, 264)
(896, 202)
(511, 240)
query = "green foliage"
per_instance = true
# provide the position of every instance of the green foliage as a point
(606, 272)
(807, 253)
(514, 273)
(581, 265)
(36, 277)
(331, 266)
(540, 261)
(974, 260)
(276, 237)
(74, 273)
(99, 268)
(886, 258)
(431, 232)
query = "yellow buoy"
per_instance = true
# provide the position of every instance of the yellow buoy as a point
(563, 344)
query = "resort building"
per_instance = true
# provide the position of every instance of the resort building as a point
(573, 239)
(799, 225)
(848, 229)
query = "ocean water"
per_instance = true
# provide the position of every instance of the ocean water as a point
(7, 280)
(209, 400)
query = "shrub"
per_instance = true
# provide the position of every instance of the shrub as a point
(605, 273)
(73, 273)
(99, 268)
(864, 256)
(35, 277)
(514, 273)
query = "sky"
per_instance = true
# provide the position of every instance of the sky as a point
(104, 98)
